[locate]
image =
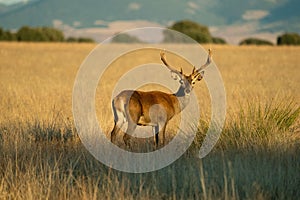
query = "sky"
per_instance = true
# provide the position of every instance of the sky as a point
(10, 2)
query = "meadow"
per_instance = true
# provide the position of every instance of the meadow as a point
(42, 157)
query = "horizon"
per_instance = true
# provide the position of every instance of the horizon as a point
(259, 19)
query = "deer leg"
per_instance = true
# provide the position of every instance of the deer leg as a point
(155, 131)
(126, 139)
(119, 119)
(113, 134)
(162, 135)
(130, 129)
(132, 119)
(117, 127)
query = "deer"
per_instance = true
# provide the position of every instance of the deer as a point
(154, 108)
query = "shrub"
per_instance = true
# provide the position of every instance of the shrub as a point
(80, 40)
(255, 41)
(217, 40)
(52, 35)
(192, 29)
(85, 40)
(125, 38)
(6, 35)
(39, 34)
(289, 39)
(71, 39)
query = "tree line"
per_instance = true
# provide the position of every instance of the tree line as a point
(201, 34)
(194, 30)
(284, 39)
(39, 34)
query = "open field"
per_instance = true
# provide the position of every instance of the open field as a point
(257, 156)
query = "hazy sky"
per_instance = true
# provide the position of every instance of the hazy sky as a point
(8, 2)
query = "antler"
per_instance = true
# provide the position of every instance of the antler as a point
(172, 69)
(208, 61)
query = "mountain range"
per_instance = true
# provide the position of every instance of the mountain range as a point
(230, 19)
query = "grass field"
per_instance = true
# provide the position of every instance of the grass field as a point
(257, 156)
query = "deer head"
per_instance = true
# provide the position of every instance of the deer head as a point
(187, 82)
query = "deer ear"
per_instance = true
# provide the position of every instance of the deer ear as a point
(200, 76)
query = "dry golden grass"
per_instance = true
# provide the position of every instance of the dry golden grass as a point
(39, 76)
(40, 156)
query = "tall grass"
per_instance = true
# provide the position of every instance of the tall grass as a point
(41, 156)
(243, 165)
(262, 124)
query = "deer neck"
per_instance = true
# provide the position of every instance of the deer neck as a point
(183, 98)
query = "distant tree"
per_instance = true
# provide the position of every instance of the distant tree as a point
(217, 40)
(52, 34)
(71, 39)
(174, 37)
(255, 41)
(26, 33)
(192, 29)
(125, 38)
(85, 40)
(7, 35)
(80, 40)
(40, 34)
(289, 39)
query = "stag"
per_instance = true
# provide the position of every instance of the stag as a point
(154, 108)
